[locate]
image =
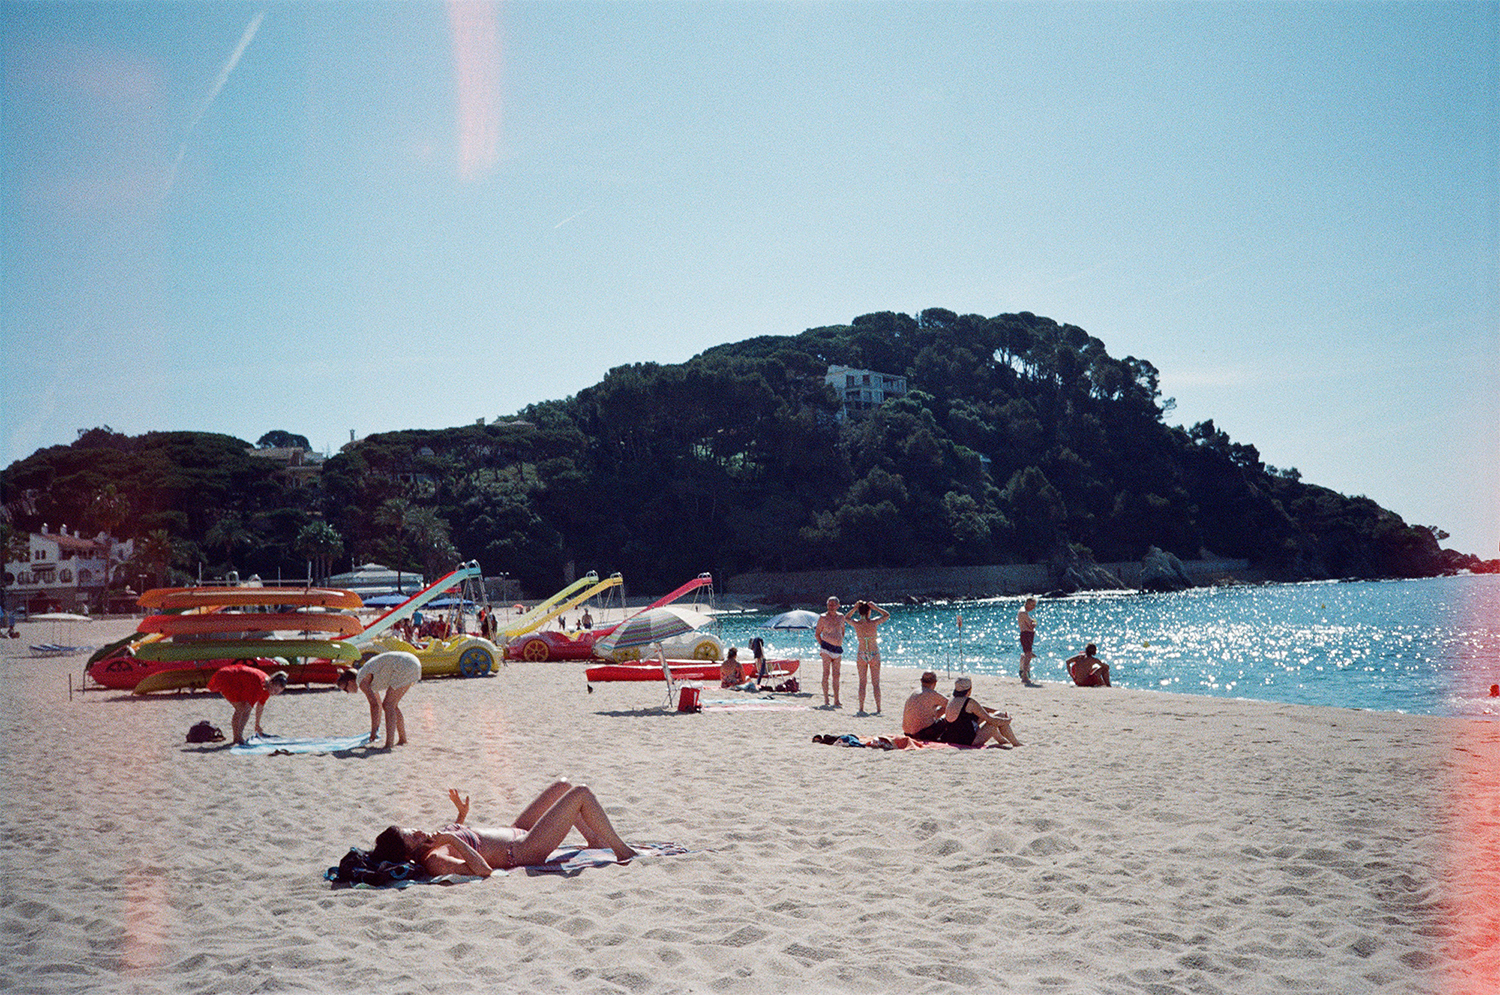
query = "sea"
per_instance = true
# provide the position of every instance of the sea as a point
(1429, 646)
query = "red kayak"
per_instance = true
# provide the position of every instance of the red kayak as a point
(122, 672)
(682, 670)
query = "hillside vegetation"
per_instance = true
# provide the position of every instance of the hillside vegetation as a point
(1020, 440)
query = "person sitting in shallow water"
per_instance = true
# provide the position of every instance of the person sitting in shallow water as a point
(462, 849)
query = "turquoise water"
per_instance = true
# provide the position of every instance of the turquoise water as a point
(1429, 647)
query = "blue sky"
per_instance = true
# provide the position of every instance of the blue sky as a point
(336, 217)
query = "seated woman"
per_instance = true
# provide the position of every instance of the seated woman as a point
(730, 672)
(460, 849)
(971, 724)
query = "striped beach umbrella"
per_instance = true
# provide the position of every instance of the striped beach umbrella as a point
(647, 627)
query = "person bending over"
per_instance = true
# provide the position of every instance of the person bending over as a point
(923, 716)
(391, 674)
(458, 848)
(971, 724)
(246, 687)
(1087, 670)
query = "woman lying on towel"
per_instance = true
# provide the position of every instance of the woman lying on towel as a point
(460, 849)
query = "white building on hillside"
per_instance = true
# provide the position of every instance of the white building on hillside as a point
(862, 391)
(64, 572)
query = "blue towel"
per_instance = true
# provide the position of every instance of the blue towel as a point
(261, 746)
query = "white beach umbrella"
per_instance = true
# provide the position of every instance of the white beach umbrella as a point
(800, 619)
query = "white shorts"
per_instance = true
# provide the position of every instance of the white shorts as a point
(394, 669)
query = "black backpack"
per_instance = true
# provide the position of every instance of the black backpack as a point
(202, 732)
(359, 867)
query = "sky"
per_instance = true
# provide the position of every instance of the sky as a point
(349, 218)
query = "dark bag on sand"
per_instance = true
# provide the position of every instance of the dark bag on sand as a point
(205, 733)
(358, 867)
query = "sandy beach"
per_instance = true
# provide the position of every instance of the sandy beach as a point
(1139, 842)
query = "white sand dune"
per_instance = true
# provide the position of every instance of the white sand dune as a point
(1138, 843)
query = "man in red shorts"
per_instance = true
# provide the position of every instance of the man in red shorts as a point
(1087, 670)
(244, 686)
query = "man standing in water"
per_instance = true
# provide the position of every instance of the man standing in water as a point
(1027, 625)
(829, 632)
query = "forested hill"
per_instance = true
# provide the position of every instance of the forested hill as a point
(1019, 440)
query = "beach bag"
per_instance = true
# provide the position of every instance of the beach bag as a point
(688, 700)
(202, 732)
(358, 867)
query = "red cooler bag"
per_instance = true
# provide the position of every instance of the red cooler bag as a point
(687, 700)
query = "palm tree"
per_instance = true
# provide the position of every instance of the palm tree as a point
(159, 552)
(229, 531)
(321, 543)
(417, 535)
(108, 510)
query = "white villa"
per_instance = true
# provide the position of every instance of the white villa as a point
(64, 571)
(862, 391)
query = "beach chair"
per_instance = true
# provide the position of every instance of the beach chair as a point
(680, 695)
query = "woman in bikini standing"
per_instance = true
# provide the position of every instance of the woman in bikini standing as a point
(460, 849)
(865, 616)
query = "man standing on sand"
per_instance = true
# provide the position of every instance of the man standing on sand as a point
(1027, 625)
(922, 718)
(1087, 670)
(829, 633)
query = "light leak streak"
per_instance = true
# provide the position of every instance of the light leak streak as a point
(476, 63)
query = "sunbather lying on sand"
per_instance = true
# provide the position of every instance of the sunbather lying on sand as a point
(460, 849)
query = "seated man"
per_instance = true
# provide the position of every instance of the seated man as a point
(923, 716)
(1087, 670)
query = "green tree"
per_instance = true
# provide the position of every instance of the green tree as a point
(320, 543)
(229, 532)
(279, 439)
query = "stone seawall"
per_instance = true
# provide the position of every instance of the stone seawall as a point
(814, 586)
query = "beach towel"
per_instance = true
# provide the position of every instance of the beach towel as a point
(265, 746)
(751, 705)
(898, 743)
(569, 861)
